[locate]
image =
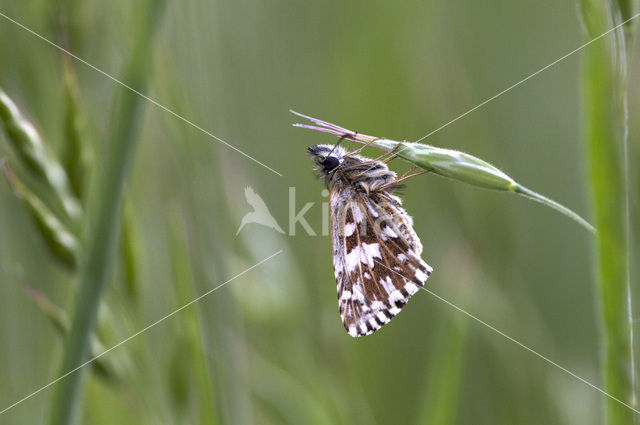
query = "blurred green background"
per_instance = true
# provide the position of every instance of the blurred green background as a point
(269, 347)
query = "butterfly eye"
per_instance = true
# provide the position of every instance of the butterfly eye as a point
(330, 163)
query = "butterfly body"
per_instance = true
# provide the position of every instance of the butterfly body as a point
(376, 253)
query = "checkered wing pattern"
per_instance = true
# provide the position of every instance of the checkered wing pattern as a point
(376, 258)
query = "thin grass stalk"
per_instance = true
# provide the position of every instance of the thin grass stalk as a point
(103, 367)
(197, 353)
(446, 163)
(440, 403)
(626, 9)
(130, 250)
(103, 216)
(605, 141)
(76, 155)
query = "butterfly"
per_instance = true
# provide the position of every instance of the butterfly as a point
(376, 253)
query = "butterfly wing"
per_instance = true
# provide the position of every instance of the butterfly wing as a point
(376, 258)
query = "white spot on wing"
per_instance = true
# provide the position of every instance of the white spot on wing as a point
(358, 295)
(371, 250)
(364, 253)
(396, 296)
(377, 305)
(346, 295)
(349, 228)
(352, 259)
(389, 231)
(372, 210)
(358, 215)
(387, 284)
(411, 288)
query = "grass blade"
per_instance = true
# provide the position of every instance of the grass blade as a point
(196, 354)
(130, 252)
(605, 137)
(76, 155)
(103, 217)
(441, 395)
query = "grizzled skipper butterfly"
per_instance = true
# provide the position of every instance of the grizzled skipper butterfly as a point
(376, 253)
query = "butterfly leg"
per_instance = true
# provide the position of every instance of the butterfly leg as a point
(370, 143)
(408, 171)
(405, 177)
(373, 161)
(392, 153)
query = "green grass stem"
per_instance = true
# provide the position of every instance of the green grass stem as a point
(530, 194)
(605, 141)
(447, 163)
(196, 354)
(130, 251)
(442, 391)
(104, 213)
(76, 155)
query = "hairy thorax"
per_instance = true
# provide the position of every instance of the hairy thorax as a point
(364, 175)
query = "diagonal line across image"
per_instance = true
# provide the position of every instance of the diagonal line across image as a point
(114, 79)
(276, 172)
(544, 68)
(141, 331)
(531, 350)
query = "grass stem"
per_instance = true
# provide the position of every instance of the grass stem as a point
(446, 163)
(103, 217)
(605, 137)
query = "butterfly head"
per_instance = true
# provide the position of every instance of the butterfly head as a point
(327, 158)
